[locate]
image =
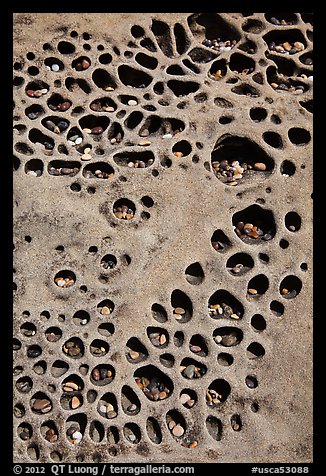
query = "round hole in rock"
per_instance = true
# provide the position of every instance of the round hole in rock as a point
(304, 266)
(28, 329)
(91, 396)
(147, 201)
(99, 348)
(257, 286)
(220, 242)
(182, 148)
(182, 306)
(113, 435)
(258, 323)
(40, 367)
(155, 384)
(223, 304)
(155, 173)
(273, 139)
(132, 433)
(33, 452)
(102, 374)
(96, 431)
(56, 456)
(236, 423)
(105, 307)
(159, 313)
(176, 423)
(292, 221)
(214, 427)
(284, 244)
(65, 278)
(188, 398)
(25, 431)
(75, 187)
(228, 336)
(225, 359)
(40, 403)
(192, 369)
(225, 119)
(290, 287)
(239, 264)
(166, 162)
(255, 350)
(34, 167)
(53, 334)
(137, 31)
(66, 48)
(124, 209)
(73, 348)
(105, 58)
(59, 368)
(254, 224)
(178, 339)
(19, 410)
(93, 249)
(198, 346)
(263, 258)
(217, 392)
(287, 168)
(34, 351)
(253, 26)
(153, 430)
(276, 119)
(24, 384)
(258, 114)
(251, 381)
(135, 351)
(158, 337)
(75, 428)
(145, 215)
(167, 360)
(129, 401)
(194, 273)
(83, 369)
(133, 77)
(299, 136)
(109, 261)
(277, 308)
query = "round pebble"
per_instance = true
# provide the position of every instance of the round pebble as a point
(55, 67)
(132, 102)
(178, 430)
(86, 157)
(75, 402)
(259, 166)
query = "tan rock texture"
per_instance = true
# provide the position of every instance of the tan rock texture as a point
(150, 202)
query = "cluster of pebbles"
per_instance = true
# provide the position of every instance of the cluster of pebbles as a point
(286, 48)
(41, 405)
(283, 86)
(186, 400)
(223, 310)
(36, 93)
(231, 173)
(177, 430)
(253, 231)
(213, 397)
(98, 173)
(61, 126)
(63, 171)
(228, 339)
(158, 339)
(74, 435)
(219, 45)
(72, 348)
(64, 282)
(282, 21)
(123, 212)
(140, 163)
(61, 106)
(153, 388)
(105, 310)
(71, 395)
(108, 410)
(192, 371)
(102, 374)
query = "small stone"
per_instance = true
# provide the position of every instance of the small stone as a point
(179, 310)
(43, 405)
(189, 371)
(274, 85)
(105, 311)
(162, 395)
(193, 444)
(70, 387)
(51, 436)
(97, 130)
(252, 291)
(167, 136)
(132, 102)
(178, 154)
(144, 142)
(64, 106)
(111, 414)
(85, 63)
(259, 166)
(144, 133)
(30, 93)
(55, 67)
(284, 291)
(133, 354)
(218, 339)
(171, 424)
(287, 46)
(235, 316)
(118, 214)
(78, 141)
(75, 402)
(129, 216)
(44, 91)
(86, 157)
(177, 430)
(299, 46)
(103, 409)
(162, 339)
(195, 348)
(191, 403)
(96, 374)
(77, 437)
(184, 398)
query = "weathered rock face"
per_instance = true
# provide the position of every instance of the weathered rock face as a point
(163, 237)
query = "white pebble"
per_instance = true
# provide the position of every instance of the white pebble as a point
(78, 141)
(132, 102)
(32, 173)
(87, 150)
(55, 67)
(131, 164)
(113, 140)
(103, 409)
(44, 91)
(86, 130)
(86, 157)
(310, 78)
(167, 136)
(70, 142)
(77, 436)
